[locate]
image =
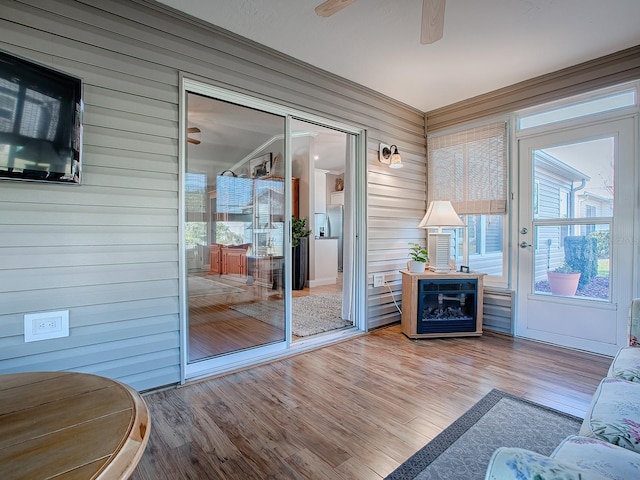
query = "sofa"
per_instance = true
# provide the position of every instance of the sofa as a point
(608, 443)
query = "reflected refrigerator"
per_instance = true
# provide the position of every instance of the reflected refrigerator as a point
(335, 227)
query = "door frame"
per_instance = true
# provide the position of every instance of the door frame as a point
(624, 226)
(243, 359)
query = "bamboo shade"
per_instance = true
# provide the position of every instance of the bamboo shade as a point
(469, 168)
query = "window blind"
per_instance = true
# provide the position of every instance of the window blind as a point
(469, 168)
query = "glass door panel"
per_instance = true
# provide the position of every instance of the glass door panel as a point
(573, 269)
(573, 260)
(234, 227)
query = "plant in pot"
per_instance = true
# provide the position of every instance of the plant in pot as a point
(300, 255)
(419, 258)
(563, 280)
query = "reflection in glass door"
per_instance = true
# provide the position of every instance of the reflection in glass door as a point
(234, 226)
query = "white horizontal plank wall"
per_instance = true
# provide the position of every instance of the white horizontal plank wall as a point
(396, 204)
(108, 250)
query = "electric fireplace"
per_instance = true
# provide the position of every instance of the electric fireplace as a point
(446, 306)
(441, 304)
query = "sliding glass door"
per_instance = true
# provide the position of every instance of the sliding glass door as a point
(250, 169)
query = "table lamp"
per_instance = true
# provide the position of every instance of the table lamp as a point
(440, 214)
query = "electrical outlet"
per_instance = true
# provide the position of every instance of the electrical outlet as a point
(45, 325)
(52, 325)
(378, 280)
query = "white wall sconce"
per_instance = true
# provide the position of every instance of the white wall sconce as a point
(389, 156)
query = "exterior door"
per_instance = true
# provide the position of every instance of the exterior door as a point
(575, 232)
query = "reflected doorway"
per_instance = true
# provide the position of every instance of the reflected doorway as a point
(323, 159)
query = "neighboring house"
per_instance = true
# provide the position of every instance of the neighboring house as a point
(555, 196)
(109, 250)
(591, 205)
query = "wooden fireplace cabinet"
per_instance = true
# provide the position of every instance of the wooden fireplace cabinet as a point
(452, 287)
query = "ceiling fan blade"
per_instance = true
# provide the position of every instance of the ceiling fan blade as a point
(432, 21)
(193, 130)
(330, 7)
(193, 140)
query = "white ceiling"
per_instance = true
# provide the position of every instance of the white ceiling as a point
(487, 44)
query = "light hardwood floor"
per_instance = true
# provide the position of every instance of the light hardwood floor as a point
(352, 410)
(216, 329)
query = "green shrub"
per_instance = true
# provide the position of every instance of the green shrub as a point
(580, 252)
(602, 242)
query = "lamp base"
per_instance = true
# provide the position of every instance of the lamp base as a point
(439, 252)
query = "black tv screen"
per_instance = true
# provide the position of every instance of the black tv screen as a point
(40, 122)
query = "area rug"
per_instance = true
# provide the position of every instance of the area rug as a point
(199, 286)
(310, 315)
(463, 450)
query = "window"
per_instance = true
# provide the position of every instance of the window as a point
(590, 211)
(582, 108)
(469, 168)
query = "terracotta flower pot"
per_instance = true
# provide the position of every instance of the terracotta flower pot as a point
(564, 284)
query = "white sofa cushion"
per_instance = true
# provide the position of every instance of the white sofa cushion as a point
(626, 364)
(614, 414)
(591, 454)
(518, 464)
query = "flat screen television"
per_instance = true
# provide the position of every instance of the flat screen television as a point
(40, 122)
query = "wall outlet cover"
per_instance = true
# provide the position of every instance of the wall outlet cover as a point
(45, 325)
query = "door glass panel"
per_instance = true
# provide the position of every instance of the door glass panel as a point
(572, 260)
(323, 159)
(572, 184)
(234, 227)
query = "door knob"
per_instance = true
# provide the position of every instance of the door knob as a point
(525, 245)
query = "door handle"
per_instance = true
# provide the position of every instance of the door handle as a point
(525, 245)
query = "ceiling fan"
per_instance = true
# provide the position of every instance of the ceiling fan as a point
(193, 140)
(432, 17)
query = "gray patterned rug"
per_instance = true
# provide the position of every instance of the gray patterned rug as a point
(463, 450)
(310, 315)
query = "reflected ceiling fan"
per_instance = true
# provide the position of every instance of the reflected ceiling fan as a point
(432, 17)
(190, 139)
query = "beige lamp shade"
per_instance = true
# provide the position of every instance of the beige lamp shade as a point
(441, 214)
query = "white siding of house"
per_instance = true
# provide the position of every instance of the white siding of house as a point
(108, 250)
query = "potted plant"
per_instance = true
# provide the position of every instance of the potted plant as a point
(300, 244)
(419, 257)
(563, 280)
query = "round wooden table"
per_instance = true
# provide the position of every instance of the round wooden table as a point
(70, 426)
